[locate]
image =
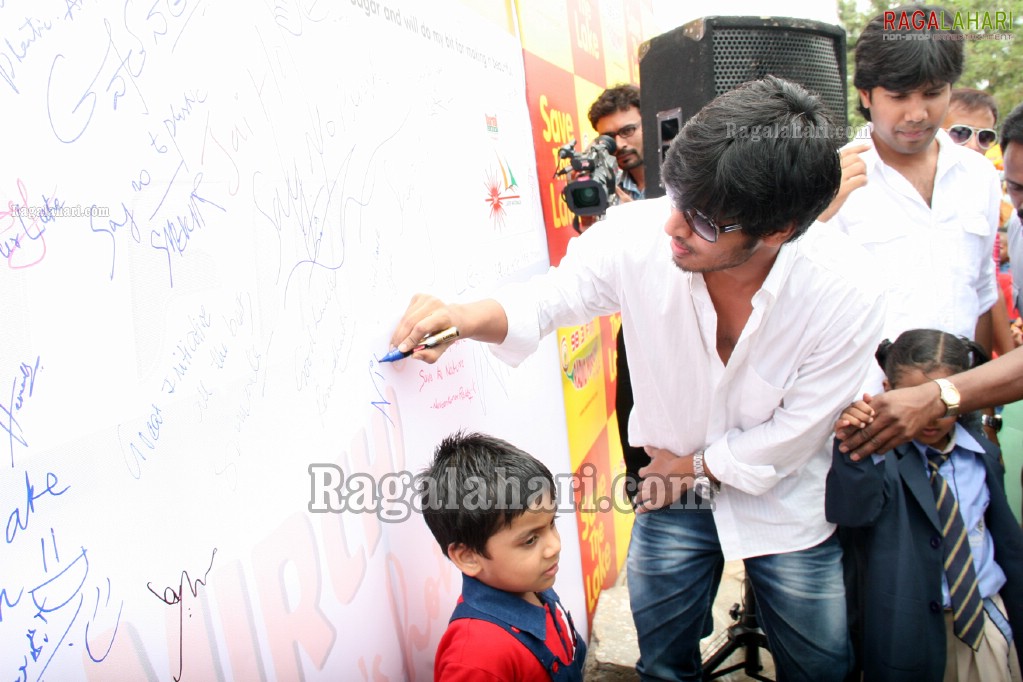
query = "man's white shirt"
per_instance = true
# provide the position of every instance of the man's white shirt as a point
(937, 261)
(766, 417)
(1015, 234)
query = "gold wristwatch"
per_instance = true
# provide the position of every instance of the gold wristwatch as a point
(949, 395)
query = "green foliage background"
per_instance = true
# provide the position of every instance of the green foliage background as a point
(995, 66)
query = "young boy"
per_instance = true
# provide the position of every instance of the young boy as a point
(491, 508)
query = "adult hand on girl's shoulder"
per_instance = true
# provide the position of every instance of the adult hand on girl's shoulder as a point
(899, 415)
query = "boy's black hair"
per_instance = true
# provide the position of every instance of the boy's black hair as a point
(1012, 128)
(477, 485)
(928, 350)
(621, 97)
(764, 155)
(924, 51)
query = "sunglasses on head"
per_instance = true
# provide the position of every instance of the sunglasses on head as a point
(961, 134)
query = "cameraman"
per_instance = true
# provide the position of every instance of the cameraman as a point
(616, 114)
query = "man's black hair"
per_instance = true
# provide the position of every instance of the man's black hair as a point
(764, 155)
(924, 51)
(1012, 128)
(477, 485)
(972, 99)
(621, 97)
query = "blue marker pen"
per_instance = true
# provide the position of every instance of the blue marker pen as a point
(429, 342)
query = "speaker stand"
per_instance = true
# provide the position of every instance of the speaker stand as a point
(743, 634)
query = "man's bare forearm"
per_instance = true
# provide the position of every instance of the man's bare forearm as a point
(998, 382)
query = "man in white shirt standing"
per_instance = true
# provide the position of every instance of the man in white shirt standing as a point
(901, 414)
(926, 208)
(1012, 157)
(747, 336)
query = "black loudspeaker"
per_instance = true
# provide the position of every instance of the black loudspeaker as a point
(682, 70)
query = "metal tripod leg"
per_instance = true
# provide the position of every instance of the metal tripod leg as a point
(744, 634)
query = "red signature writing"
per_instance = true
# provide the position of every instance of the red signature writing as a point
(21, 236)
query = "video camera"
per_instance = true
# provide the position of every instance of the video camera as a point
(593, 189)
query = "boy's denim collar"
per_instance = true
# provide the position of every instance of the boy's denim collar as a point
(507, 607)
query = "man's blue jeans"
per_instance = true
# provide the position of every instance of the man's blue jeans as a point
(673, 569)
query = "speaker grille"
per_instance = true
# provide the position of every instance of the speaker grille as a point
(745, 54)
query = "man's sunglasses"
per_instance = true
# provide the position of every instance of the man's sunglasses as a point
(706, 227)
(961, 134)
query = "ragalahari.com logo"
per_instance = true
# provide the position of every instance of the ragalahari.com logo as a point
(396, 496)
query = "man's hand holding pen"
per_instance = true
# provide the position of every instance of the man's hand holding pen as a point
(425, 316)
(438, 340)
(428, 319)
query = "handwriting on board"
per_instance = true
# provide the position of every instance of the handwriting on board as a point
(210, 212)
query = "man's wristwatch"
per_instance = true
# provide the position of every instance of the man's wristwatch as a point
(992, 421)
(702, 484)
(949, 395)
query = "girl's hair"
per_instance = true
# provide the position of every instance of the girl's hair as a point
(928, 350)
